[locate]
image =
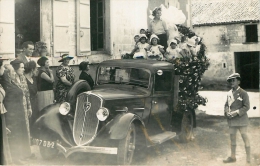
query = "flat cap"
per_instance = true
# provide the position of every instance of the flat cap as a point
(234, 75)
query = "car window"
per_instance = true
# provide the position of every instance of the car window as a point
(163, 81)
(117, 75)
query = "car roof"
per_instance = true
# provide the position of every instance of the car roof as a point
(152, 65)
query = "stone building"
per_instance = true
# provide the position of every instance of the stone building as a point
(231, 32)
(96, 30)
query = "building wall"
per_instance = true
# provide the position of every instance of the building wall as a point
(127, 18)
(221, 52)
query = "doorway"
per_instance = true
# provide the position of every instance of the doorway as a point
(27, 21)
(247, 64)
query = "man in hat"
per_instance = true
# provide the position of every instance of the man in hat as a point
(28, 48)
(235, 110)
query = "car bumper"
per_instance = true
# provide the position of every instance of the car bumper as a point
(85, 149)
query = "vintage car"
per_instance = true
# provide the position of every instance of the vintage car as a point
(132, 104)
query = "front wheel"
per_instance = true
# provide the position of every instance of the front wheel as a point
(126, 147)
(186, 127)
(47, 152)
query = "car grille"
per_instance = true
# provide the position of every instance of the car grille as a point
(86, 122)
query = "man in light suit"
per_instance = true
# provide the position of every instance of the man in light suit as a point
(235, 110)
(28, 48)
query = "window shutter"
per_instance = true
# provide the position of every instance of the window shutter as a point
(61, 27)
(7, 30)
(84, 45)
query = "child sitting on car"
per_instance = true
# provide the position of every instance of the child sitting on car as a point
(141, 48)
(156, 51)
(172, 52)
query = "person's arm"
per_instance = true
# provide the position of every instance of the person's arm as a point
(134, 50)
(47, 78)
(161, 50)
(165, 29)
(65, 81)
(27, 96)
(150, 27)
(226, 108)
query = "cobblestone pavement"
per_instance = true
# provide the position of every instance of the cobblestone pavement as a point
(210, 147)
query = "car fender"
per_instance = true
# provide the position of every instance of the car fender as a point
(118, 127)
(51, 120)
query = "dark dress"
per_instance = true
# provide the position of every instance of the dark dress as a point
(33, 99)
(61, 89)
(45, 90)
(42, 84)
(17, 121)
(87, 77)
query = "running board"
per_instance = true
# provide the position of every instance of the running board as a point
(160, 138)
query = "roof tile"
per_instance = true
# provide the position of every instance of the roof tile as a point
(205, 12)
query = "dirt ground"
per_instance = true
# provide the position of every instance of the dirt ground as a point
(210, 147)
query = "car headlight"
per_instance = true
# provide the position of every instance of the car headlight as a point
(64, 108)
(102, 114)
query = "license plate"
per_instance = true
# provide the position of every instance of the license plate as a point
(44, 143)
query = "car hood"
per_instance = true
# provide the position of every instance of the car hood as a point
(116, 93)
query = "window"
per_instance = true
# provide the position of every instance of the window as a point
(97, 24)
(117, 75)
(251, 33)
(163, 81)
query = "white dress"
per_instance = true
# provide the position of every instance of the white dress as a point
(142, 53)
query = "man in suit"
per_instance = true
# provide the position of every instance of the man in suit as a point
(28, 48)
(235, 110)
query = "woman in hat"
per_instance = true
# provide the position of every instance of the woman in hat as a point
(30, 72)
(18, 106)
(84, 75)
(158, 27)
(45, 80)
(235, 110)
(6, 157)
(66, 78)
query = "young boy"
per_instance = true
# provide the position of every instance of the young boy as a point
(236, 108)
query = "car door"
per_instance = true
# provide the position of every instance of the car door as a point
(161, 103)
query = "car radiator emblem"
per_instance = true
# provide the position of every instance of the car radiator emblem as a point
(86, 106)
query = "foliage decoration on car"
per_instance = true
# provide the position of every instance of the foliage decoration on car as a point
(190, 69)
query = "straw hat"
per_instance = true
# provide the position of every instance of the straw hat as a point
(65, 56)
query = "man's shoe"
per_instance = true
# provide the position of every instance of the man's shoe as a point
(229, 160)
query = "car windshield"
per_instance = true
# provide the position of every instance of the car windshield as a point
(118, 75)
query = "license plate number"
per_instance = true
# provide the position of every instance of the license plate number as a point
(40, 142)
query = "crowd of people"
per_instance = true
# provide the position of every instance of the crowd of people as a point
(157, 44)
(25, 90)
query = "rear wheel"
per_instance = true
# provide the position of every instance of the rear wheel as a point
(47, 152)
(126, 147)
(186, 127)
